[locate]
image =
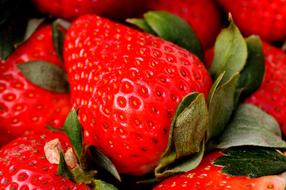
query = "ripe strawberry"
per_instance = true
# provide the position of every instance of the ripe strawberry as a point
(262, 17)
(127, 85)
(209, 176)
(23, 164)
(23, 105)
(70, 9)
(209, 54)
(203, 16)
(271, 95)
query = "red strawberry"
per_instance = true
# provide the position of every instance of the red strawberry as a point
(263, 17)
(202, 15)
(23, 105)
(271, 95)
(73, 8)
(209, 176)
(127, 85)
(209, 54)
(23, 164)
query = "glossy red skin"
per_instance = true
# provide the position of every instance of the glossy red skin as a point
(271, 95)
(208, 176)
(209, 55)
(25, 107)
(23, 165)
(262, 17)
(127, 85)
(203, 15)
(70, 9)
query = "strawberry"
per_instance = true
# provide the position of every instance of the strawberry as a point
(271, 95)
(24, 106)
(209, 54)
(203, 16)
(24, 165)
(210, 176)
(127, 85)
(70, 9)
(262, 17)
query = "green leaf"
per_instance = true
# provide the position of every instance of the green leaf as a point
(252, 162)
(142, 24)
(63, 169)
(32, 25)
(58, 33)
(252, 126)
(74, 131)
(251, 76)
(187, 135)
(230, 53)
(184, 165)
(190, 127)
(104, 162)
(45, 75)
(172, 28)
(221, 105)
(101, 185)
(82, 176)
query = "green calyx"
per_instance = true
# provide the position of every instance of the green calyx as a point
(171, 28)
(252, 161)
(83, 170)
(59, 27)
(45, 75)
(200, 125)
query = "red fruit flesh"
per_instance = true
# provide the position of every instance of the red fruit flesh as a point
(208, 176)
(69, 9)
(202, 15)
(262, 17)
(23, 165)
(127, 85)
(271, 95)
(23, 106)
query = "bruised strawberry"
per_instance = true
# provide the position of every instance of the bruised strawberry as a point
(24, 106)
(209, 176)
(271, 95)
(127, 85)
(262, 17)
(203, 16)
(24, 164)
(70, 9)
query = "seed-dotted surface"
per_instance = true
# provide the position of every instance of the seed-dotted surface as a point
(127, 85)
(210, 176)
(24, 106)
(23, 165)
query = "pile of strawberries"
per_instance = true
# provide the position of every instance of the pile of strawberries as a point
(142, 94)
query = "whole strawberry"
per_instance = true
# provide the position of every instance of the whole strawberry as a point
(271, 95)
(70, 9)
(203, 16)
(24, 106)
(209, 176)
(127, 85)
(262, 17)
(24, 164)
